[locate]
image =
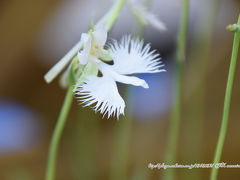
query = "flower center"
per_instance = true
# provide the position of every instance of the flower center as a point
(95, 50)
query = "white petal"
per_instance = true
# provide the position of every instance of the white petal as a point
(84, 54)
(57, 68)
(102, 22)
(122, 78)
(100, 36)
(63, 81)
(131, 56)
(85, 37)
(131, 80)
(146, 16)
(155, 22)
(103, 93)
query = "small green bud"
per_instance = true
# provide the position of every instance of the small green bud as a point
(233, 27)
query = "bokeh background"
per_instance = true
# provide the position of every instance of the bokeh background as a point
(35, 34)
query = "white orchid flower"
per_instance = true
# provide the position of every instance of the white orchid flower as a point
(90, 45)
(129, 57)
(144, 16)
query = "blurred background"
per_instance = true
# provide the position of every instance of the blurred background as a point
(35, 34)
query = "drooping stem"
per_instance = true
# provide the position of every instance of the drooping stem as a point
(114, 13)
(85, 144)
(53, 149)
(176, 113)
(120, 150)
(227, 102)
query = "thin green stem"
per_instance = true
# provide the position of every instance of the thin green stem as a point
(140, 28)
(85, 145)
(176, 113)
(122, 134)
(227, 102)
(121, 149)
(51, 164)
(53, 149)
(114, 13)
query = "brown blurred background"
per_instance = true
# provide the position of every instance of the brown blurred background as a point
(36, 34)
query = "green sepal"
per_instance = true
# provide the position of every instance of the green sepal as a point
(74, 71)
(90, 69)
(105, 56)
(233, 27)
(70, 76)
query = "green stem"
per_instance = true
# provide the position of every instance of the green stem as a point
(85, 145)
(140, 28)
(227, 102)
(122, 134)
(53, 149)
(51, 164)
(176, 113)
(114, 13)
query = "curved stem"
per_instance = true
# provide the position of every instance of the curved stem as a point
(122, 134)
(51, 164)
(227, 102)
(176, 113)
(114, 13)
(53, 149)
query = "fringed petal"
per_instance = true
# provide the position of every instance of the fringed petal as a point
(131, 56)
(102, 94)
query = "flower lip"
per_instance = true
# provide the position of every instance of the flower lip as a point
(129, 57)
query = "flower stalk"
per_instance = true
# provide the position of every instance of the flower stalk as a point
(109, 19)
(176, 113)
(114, 13)
(227, 101)
(53, 150)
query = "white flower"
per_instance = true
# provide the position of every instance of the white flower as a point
(92, 46)
(129, 57)
(144, 16)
